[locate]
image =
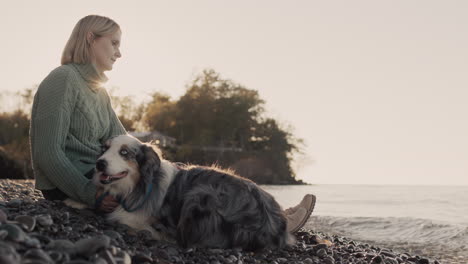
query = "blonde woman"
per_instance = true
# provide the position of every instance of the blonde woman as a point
(72, 114)
(72, 117)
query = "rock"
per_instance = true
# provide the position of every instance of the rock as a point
(32, 242)
(78, 261)
(107, 256)
(282, 260)
(391, 261)
(89, 246)
(114, 235)
(59, 257)
(3, 216)
(8, 254)
(328, 260)
(38, 255)
(387, 253)
(15, 233)
(141, 257)
(423, 261)
(321, 253)
(28, 221)
(122, 257)
(377, 259)
(320, 246)
(15, 203)
(45, 220)
(62, 245)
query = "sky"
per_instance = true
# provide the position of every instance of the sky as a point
(378, 90)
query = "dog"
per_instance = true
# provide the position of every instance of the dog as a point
(196, 206)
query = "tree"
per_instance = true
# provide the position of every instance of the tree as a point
(219, 121)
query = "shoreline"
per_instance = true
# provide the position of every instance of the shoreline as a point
(36, 229)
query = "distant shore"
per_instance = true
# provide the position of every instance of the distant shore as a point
(36, 229)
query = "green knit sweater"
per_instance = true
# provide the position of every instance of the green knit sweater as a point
(71, 117)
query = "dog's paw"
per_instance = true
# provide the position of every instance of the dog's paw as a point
(74, 204)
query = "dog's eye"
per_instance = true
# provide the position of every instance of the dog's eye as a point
(123, 152)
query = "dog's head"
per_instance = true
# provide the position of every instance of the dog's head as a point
(125, 163)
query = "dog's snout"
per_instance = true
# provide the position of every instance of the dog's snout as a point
(101, 165)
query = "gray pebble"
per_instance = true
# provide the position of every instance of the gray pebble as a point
(78, 261)
(216, 251)
(61, 245)
(8, 254)
(15, 203)
(328, 260)
(321, 253)
(15, 233)
(3, 216)
(232, 258)
(3, 234)
(308, 261)
(89, 246)
(281, 260)
(391, 261)
(37, 254)
(122, 257)
(28, 221)
(58, 257)
(107, 256)
(45, 220)
(32, 242)
(377, 259)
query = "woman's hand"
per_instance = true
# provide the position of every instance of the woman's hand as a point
(108, 203)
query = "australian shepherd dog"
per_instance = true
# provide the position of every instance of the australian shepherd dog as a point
(195, 206)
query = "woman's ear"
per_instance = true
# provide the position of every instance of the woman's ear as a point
(90, 37)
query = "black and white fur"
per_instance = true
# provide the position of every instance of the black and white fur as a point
(193, 205)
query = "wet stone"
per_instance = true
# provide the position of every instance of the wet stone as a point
(8, 254)
(3, 216)
(45, 220)
(15, 203)
(15, 233)
(28, 221)
(3, 234)
(58, 256)
(321, 253)
(377, 259)
(89, 246)
(37, 254)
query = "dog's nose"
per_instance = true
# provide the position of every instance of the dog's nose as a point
(101, 165)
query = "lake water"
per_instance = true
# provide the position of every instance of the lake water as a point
(431, 219)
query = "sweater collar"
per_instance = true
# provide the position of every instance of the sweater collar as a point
(91, 75)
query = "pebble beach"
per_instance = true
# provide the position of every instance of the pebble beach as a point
(35, 230)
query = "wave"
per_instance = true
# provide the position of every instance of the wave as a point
(393, 230)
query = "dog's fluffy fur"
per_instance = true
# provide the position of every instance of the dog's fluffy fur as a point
(193, 205)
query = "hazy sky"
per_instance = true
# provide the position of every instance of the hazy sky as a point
(377, 89)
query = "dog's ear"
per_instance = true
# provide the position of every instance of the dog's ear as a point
(148, 161)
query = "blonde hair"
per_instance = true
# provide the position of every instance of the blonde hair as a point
(78, 48)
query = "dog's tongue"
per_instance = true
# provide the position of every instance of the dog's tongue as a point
(105, 177)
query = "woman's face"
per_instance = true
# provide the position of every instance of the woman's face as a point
(106, 51)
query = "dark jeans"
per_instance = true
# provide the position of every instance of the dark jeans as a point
(56, 194)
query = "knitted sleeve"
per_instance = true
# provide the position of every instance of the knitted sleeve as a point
(53, 106)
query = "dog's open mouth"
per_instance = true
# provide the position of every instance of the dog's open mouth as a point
(106, 179)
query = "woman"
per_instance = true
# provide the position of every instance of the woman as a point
(72, 116)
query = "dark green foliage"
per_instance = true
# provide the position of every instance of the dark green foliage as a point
(220, 122)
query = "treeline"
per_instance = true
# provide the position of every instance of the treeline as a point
(216, 121)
